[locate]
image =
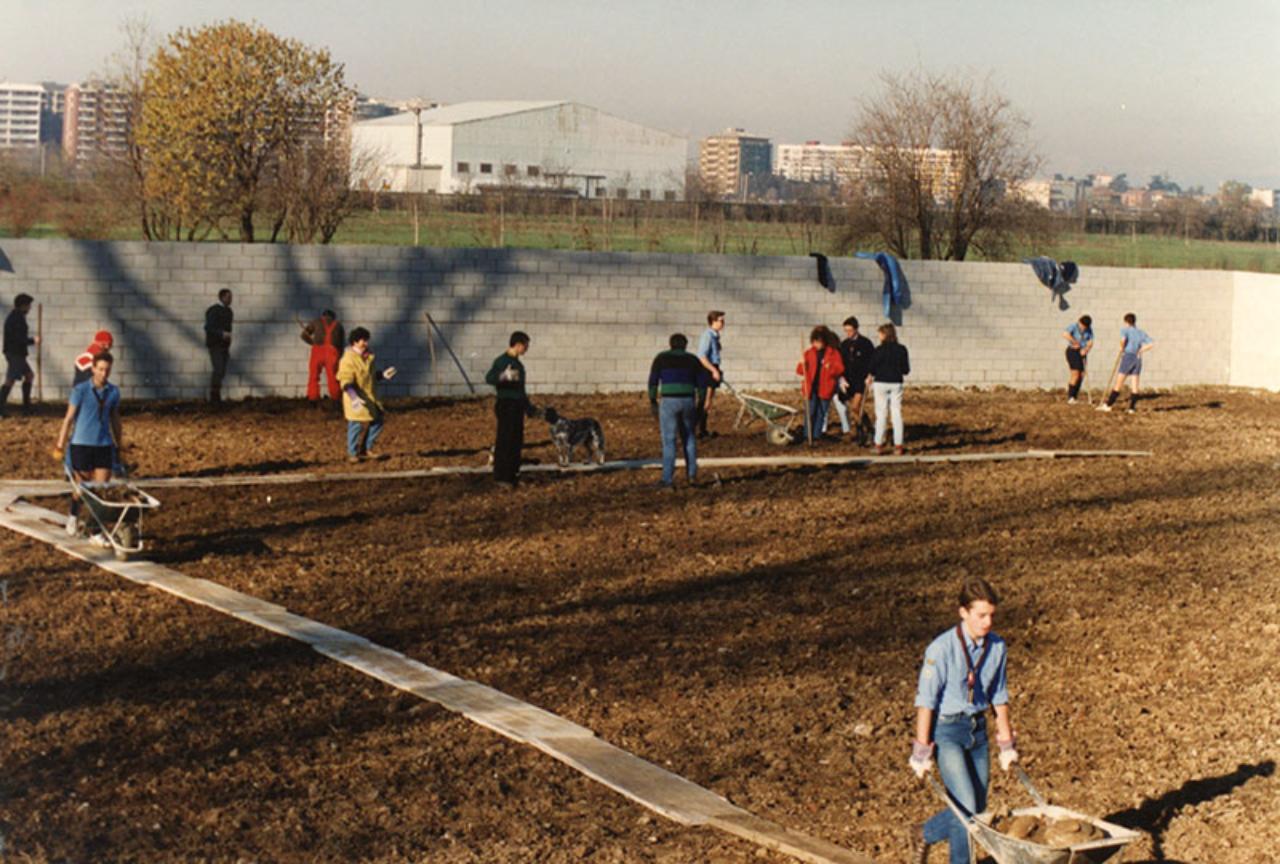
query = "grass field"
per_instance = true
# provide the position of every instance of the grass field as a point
(645, 234)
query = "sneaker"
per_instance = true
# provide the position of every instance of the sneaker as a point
(879, 449)
(100, 541)
(353, 459)
(1071, 401)
(898, 450)
(1103, 407)
(665, 487)
(73, 525)
(376, 457)
(1131, 410)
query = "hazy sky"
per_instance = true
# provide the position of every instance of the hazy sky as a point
(1140, 86)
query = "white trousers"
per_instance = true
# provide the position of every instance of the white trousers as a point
(888, 403)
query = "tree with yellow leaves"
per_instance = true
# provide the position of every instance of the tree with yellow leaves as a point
(229, 111)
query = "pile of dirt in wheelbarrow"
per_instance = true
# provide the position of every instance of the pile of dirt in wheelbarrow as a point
(1046, 831)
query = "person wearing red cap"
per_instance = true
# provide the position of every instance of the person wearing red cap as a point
(102, 343)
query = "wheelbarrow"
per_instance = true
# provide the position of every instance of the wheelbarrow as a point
(778, 419)
(115, 507)
(1012, 850)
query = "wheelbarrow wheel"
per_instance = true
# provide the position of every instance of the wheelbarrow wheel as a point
(777, 436)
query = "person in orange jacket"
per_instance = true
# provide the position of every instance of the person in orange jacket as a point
(821, 367)
(326, 337)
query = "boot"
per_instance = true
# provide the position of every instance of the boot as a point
(4, 399)
(26, 397)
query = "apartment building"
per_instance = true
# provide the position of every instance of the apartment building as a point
(20, 115)
(95, 122)
(727, 161)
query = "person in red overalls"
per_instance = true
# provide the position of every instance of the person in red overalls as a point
(326, 338)
(101, 343)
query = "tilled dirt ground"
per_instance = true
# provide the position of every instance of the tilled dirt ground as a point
(759, 635)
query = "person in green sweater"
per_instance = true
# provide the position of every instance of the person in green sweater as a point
(507, 376)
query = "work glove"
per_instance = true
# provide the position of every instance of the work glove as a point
(653, 409)
(356, 403)
(57, 454)
(1008, 752)
(388, 373)
(921, 759)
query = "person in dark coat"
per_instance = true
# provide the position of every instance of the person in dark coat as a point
(217, 337)
(855, 351)
(887, 371)
(17, 341)
(506, 376)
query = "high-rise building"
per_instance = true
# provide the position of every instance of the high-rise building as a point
(95, 124)
(727, 161)
(53, 108)
(20, 115)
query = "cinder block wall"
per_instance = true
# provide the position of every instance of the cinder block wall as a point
(596, 318)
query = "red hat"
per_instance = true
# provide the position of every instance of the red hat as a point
(103, 338)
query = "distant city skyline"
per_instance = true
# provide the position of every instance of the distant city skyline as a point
(1141, 88)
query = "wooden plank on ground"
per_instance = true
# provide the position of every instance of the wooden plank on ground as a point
(773, 836)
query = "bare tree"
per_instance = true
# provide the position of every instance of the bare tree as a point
(936, 155)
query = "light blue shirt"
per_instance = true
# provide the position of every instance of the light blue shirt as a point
(943, 686)
(1082, 335)
(709, 346)
(93, 413)
(1134, 339)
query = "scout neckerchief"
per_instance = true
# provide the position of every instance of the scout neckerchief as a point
(972, 679)
(102, 400)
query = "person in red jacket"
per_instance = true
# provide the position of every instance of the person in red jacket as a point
(326, 337)
(101, 344)
(821, 367)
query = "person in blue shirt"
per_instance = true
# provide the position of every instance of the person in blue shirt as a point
(1133, 344)
(709, 356)
(962, 678)
(93, 423)
(1079, 338)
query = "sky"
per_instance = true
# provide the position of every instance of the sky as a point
(1186, 89)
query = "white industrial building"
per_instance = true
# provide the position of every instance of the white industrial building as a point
(537, 145)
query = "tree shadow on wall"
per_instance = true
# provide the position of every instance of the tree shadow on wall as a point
(1154, 815)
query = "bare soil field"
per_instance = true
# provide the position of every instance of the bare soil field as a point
(759, 635)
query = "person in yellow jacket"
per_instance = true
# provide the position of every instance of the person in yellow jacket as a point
(358, 377)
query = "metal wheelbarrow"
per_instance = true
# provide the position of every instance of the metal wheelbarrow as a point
(1011, 850)
(778, 419)
(116, 507)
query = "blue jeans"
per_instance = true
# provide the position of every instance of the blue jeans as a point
(818, 415)
(355, 431)
(963, 765)
(677, 418)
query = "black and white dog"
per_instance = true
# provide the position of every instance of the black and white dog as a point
(567, 434)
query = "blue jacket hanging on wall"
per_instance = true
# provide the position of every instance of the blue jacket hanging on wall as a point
(1057, 278)
(896, 290)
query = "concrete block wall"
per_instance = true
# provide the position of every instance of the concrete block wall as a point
(596, 318)
(1255, 334)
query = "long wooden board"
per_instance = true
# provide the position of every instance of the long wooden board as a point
(33, 488)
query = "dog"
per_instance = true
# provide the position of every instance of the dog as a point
(567, 434)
